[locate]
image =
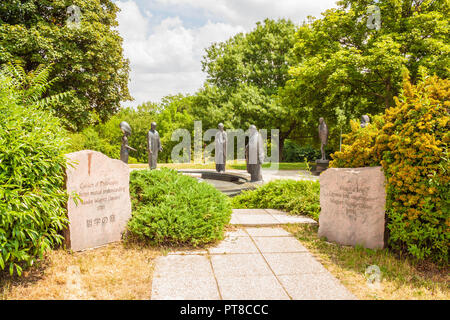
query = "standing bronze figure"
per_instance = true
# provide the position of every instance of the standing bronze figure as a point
(254, 154)
(221, 149)
(124, 150)
(153, 146)
(323, 135)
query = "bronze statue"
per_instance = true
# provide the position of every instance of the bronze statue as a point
(254, 154)
(124, 150)
(221, 149)
(365, 120)
(323, 135)
(153, 146)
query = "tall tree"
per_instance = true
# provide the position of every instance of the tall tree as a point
(344, 66)
(87, 58)
(244, 75)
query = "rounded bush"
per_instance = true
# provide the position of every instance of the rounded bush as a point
(171, 208)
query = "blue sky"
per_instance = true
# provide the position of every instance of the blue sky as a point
(165, 39)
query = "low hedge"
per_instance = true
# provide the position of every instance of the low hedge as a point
(174, 209)
(296, 197)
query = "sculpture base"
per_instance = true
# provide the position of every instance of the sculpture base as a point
(321, 165)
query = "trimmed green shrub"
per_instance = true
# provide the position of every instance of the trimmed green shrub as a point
(32, 168)
(171, 208)
(293, 152)
(296, 197)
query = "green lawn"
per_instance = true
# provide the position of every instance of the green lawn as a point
(230, 165)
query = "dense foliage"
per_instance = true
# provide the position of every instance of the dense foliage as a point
(411, 143)
(358, 147)
(296, 197)
(171, 114)
(171, 208)
(342, 69)
(88, 60)
(32, 168)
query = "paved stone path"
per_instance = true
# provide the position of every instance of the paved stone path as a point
(251, 263)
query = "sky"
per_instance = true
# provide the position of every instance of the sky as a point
(165, 40)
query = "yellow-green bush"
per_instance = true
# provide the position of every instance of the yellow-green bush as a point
(412, 147)
(358, 145)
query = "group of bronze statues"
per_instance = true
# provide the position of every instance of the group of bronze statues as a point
(153, 144)
(254, 149)
(254, 152)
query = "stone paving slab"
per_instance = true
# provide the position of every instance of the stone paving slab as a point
(293, 263)
(184, 288)
(322, 286)
(265, 217)
(256, 219)
(250, 263)
(234, 245)
(267, 232)
(252, 288)
(279, 244)
(239, 265)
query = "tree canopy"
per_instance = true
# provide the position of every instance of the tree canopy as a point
(88, 60)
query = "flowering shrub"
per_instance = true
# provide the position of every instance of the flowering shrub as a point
(411, 143)
(413, 147)
(358, 146)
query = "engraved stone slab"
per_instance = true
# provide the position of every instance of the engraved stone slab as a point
(102, 184)
(352, 204)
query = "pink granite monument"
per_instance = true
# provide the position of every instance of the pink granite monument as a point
(102, 184)
(352, 204)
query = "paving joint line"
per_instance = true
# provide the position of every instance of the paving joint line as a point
(214, 275)
(273, 272)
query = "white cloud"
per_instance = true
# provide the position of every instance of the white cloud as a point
(166, 58)
(247, 12)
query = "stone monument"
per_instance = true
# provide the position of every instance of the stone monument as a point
(153, 146)
(254, 154)
(124, 150)
(221, 149)
(102, 184)
(352, 202)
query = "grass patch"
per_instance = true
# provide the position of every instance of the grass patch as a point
(112, 272)
(402, 278)
(231, 165)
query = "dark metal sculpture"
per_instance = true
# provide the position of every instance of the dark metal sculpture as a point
(124, 150)
(323, 135)
(254, 154)
(221, 149)
(153, 146)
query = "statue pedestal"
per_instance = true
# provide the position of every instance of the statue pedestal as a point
(321, 165)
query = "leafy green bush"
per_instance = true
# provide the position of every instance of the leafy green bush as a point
(293, 152)
(296, 197)
(32, 168)
(171, 208)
